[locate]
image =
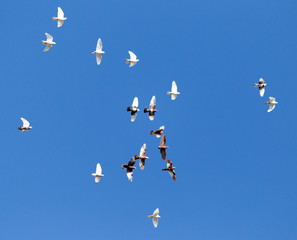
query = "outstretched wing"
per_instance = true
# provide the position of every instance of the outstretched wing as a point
(155, 221)
(98, 58)
(173, 96)
(132, 161)
(60, 13)
(135, 102)
(49, 37)
(25, 123)
(163, 140)
(172, 174)
(153, 102)
(163, 153)
(60, 23)
(271, 107)
(271, 99)
(132, 57)
(262, 91)
(141, 163)
(133, 116)
(173, 87)
(143, 150)
(156, 212)
(99, 45)
(169, 164)
(48, 47)
(130, 174)
(97, 179)
(98, 169)
(132, 64)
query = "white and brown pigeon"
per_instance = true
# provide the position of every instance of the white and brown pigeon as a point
(134, 109)
(271, 103)
(130, 167)
(158, 132)
(26, 125)
(170, 169)
(261, 85)
(152, 109)
(142, 156)
(163, 147)
(98, 175)
(155, 217)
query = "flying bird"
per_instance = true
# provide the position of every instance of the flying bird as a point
(158, 132)
(152, 109)
(174, 91)
(261, 85)
(155, 217)
(130, 168)
(163, 147)
(49, 42)
(142, 156)
(133, 59)
(26, 125)
(98, 175)
(60, 17)
(170, 169)
(271, 103)
(134, 109)
(99, 51)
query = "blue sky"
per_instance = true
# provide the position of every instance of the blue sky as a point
(235, 163)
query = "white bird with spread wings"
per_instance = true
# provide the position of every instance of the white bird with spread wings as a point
(174, 91)
(155, 217)
(98, 175)
(26, 125)
(99, 51)
(133, 59)
(49, 42)
(60, 17)
(271, 103)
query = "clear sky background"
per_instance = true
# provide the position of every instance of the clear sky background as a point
(235, 163)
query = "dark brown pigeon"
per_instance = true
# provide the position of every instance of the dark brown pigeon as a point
(158, 132)
(130, 168)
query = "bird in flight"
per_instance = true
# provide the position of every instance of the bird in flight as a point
(142, 156)
(99, 51)
(98, 175)
(134, 109)
(158, 132)
(174, 91)
(261, 85)
(155, 217)
(130, 167)
(271, 103)
(60, 17)
(151, 109)
(48, 42)
(26, 125)
(163, 147)
(133, 59)
(170, 169)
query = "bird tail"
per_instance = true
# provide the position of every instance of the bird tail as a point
(124, 166)
(256, 85)
(20, 128)
(267, 103)
(128, 109)
(127, 61)
(164, 169)
(55, 18)
(145, 110)
(152, 132)
(168, 93)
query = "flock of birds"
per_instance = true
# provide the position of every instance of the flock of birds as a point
(134, 109)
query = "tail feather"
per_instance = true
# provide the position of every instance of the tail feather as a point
(168, 93)
(152, 132)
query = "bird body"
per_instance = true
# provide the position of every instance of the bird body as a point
(48, 42)
(170, 169)
(158, 132)
(163, 147)
(60, 17)
(99, 51)
(271, 104)
(130, 167)
(98, 175)
(174, 91)
(26, 125)
(155, 217)
(133, 59)
(261, 85)
(151, 109)
(134, 109)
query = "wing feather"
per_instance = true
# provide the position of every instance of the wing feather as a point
(98, 169)
(132, 57)
(25, 123)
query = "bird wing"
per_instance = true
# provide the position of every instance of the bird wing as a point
(97, 179)
(130, 175)
(162, 127)
(271, 99)
(98, 169)
(60, 23)
(151, 116)
(156, 212)
(132, 56)
(99, 45)
(271, 107)
(173, 87)
(25, 123)
(98, 58)
(133, 116)
(143, 150)
(163, 153)
(172, 174)
(141, 163)
(153, 102)
(163, 140)
(155, 221)
(262, 91)
(48, 36)
(169, 163)
(60, 13)
(48, 47)
(132, 64)
(135, 102)
(132, 161)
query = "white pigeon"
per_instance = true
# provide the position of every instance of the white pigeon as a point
(133, 59)
(99, 51)
(271, 103)
(26, 125)
(60, 17)
(49, 42)
(174, 91)
(261, 85)
(155, 217)
(98, 175)
(134, 109)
